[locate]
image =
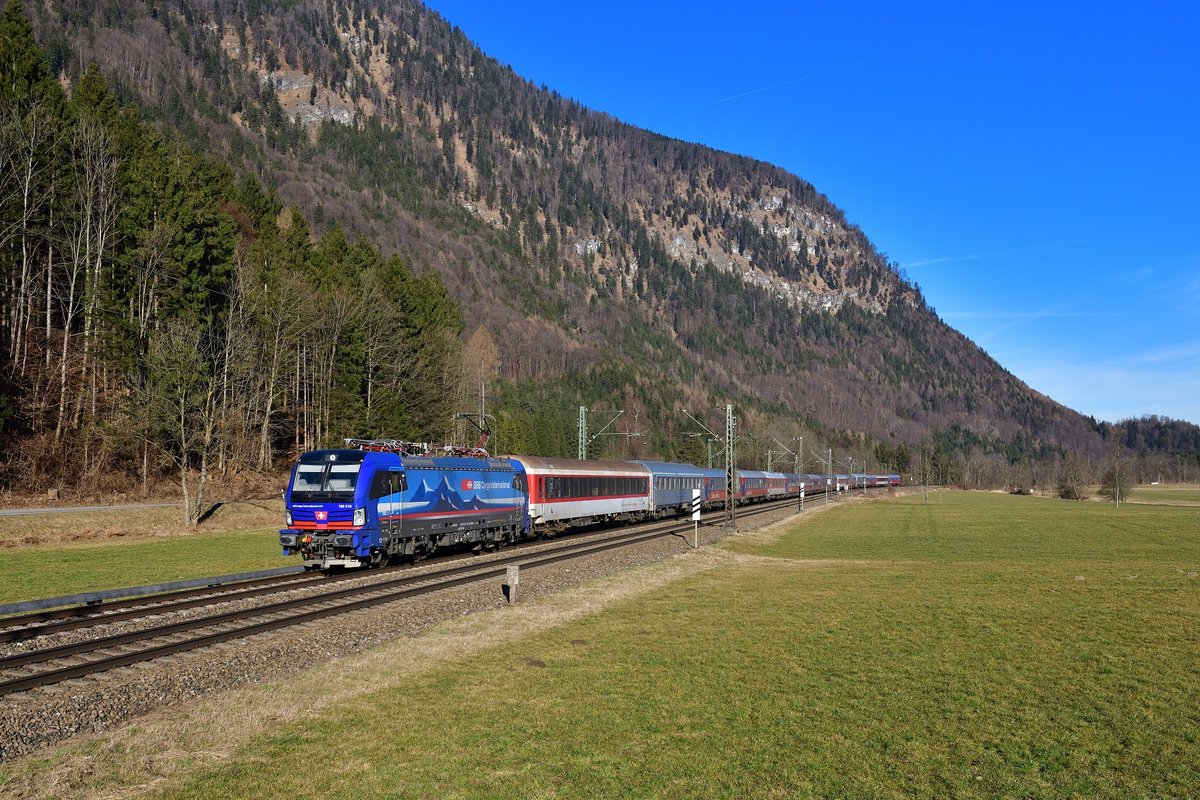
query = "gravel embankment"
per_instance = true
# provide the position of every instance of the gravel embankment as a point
(36, 719)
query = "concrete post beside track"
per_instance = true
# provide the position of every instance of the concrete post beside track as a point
(511, 579)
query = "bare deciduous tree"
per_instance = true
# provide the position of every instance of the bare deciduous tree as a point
(180, 403)
(1116, 481)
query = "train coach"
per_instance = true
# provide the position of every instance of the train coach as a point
(671, 486)
(715, 487)
(754, 485)
(565, 493)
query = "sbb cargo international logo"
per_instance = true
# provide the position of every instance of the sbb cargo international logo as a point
(468, 485)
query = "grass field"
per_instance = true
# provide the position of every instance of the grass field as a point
(975, 645)
(60, 554)
(1169, 493)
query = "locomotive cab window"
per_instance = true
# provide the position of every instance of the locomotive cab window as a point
(321, 481)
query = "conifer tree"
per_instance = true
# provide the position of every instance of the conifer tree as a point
(25, 75)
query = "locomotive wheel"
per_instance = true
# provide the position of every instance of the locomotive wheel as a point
(380, 558)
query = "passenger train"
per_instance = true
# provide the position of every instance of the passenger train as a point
(378, 501)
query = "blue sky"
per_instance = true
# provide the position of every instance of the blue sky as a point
(1035, 168)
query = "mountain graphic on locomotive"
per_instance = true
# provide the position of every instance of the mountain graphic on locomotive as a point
(376, 501)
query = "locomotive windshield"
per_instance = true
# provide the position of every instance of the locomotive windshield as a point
(325, 482)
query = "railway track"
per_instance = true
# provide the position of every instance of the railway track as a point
(47, 666)
(44, 623)
(47, 623)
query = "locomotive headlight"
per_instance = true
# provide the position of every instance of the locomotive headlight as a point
(289, 519)
(360, 516)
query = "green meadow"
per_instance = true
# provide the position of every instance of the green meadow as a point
(51, 555)
(971, 645)
(1182, 493)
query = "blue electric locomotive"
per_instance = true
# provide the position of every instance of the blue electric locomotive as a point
(352, 508)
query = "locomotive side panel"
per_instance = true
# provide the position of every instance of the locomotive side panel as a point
(448, 502)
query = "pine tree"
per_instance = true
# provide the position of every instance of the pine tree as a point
(26, 76)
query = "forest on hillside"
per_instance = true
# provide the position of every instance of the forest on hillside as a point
(161, 316)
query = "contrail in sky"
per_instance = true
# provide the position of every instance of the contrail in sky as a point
(812, 75)
(860, 62)
(929, 262)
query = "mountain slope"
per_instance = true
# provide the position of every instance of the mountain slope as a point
(631, 268)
